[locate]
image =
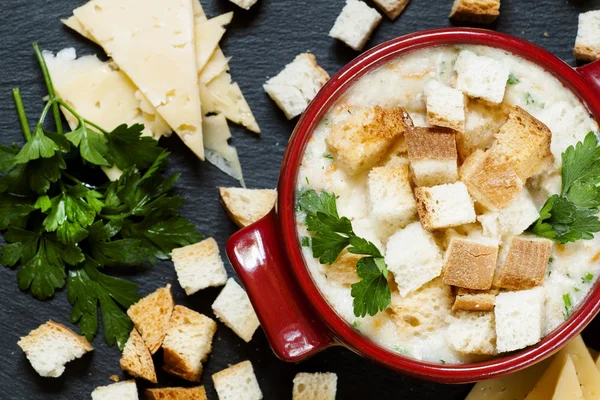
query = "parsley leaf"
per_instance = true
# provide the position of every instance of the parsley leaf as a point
(127, 148)
(40, 146)
(13, 210)
(7, 155)
(372, 293)
(512, 79)
(92, 145)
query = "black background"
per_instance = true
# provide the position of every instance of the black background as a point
(261, 41)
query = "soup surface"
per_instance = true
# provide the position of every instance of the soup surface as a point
(419, 321)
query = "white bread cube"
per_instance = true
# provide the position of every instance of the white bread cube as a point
(392, 8)
(246, 206)
(188, 343)
(151, 316)
(414, 258)
(512, 220)
(245, 4)
(317, 386)
(482, 121)
(587, 44)
(234, 309)
(473, 333)
(481, 76)
(523, 262)
(176, 393)
(444, 206)
(519, 319)
(199, 266)
(49, 347)
(470, 263)
(237, 382)
(482, 11)
(296, 85)
(445, 106)
(355, 24)
(136, 359)
(126, 390)
(432, 155)
(390, 194)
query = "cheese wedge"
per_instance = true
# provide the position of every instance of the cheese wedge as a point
(152, 41)
(567, 387)
(544, 388)
(217, 149)
(598, 362)
(199, 14)
(588, 374)
(74, 24)
(208, 35)
(216, 65)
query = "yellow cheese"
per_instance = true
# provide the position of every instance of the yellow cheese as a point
(74, 24)
(216, 65)
(152, 41)
(588, 374)
(593, 353)
(208, 35)
(544, 388)
(567, 387)
(598, 362)
(199, 15)
(217, 149)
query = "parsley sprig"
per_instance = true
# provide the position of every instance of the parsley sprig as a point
(572, 214)
(61, 229)
(331, 234)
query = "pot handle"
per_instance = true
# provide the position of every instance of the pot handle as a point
(591, 73)
(257, 256)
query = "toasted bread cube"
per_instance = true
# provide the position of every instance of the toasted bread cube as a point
(481, 76)
(445, 106)
(317, 386)
(444, 206)
(136, 359)
(469, 264)
(50, 346)
(199, 266)
(473, 333)
(492, 183)
(343, 270)
(432, 154)
(511, 221)
(587, 44)
(519, 318)
(524, 143)
(482, 11)
(234, 309)
(126, 390)
(392, 8)
(475, 300)
(177, 393)
(246, 206)
(482, 122)
(245, 4)
(296, 85)
(237, 382)
(355, 24)
(390, 194)
(414, 258)
(151, 316)
(522, 263)
(363, 138)
(188, 343)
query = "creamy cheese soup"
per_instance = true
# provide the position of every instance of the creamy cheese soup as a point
(420, 322)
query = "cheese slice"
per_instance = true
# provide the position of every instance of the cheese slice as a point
(152, 41)
(216, 65)
(199, 15)
(217, 149)
(74, 24)
(598, 362)
(567, 387)
(588, 374)
(208, 35)
(544, 388)
(593, 352)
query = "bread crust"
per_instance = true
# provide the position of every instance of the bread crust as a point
(431, 144)
(482, 11)
(151, 316)
(525, 264)
(136, 359)
(394, 11)
(469, 264)
(586, 53)
(475, 300)
(177, 393)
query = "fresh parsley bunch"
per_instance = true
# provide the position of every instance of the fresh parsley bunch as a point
(62, 230)
(572, 214)
(331, 235)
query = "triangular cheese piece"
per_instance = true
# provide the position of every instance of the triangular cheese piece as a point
(208, 36)
(217, 149)
(199, 14)
(598, 362)
(216, 65)
(544, 388)
(74, 24)
(152, 41)
(567, 387)
(588, 374)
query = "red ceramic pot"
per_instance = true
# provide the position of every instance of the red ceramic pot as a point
(296, 318)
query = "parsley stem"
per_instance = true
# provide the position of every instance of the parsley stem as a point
(43, 116)
(50, 87)
(79, 117)
(21, 112)
(72, 178)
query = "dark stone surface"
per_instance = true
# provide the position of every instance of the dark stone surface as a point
(261, 42)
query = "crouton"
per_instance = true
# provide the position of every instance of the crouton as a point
(390, 194)
(473, 333)
(343, 270)
(491, 183)
(469, 264)
(475, 300)
(246, 206)
(234, 309)
(422, 312)
(482, 121)
(444, 206)
(199, 266)
(151, 317)
(355, 24)
(587, 44)
(317, 386)
(363, 138)
(522, 263)
(136, 359)
(432, 154)
(392, 8)
(245, 4)
(511, 221)
(445, 106)
(414, 258)
(126, 390)
(237, 382)
(188, 343)
(481, 76)
(50, 346)
(519, 318)
(296, 85)
(177, 393)
(482, 11)
(524, 143)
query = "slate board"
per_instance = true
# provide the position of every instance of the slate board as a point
(261, 41)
